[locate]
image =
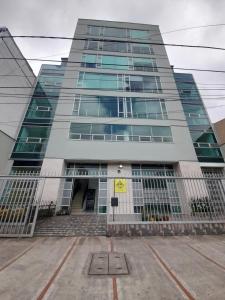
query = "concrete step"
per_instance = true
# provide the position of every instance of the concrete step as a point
(72, 225)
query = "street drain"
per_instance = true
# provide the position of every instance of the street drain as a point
(105, 263)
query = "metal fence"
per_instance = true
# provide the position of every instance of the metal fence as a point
(20, 200)
(169, 199)
(141, 199)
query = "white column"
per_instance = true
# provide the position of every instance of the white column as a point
(190, 189)
(125, 200)
(52, 186)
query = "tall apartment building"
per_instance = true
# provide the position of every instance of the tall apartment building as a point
(16, 85)
(113, 110)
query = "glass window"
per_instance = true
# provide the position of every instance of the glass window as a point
(97, 81)
(203, 137)
(91, 45)
(119, 132)
(89, 106)
(161, 131)
(34, 131)
(149, 84)
(139, 107)
(89, 61)
(144, 64)
(115, 32)
(114, 46)
(101, 129)
(142, 130)
(94, 30)
(208, 152)
(139, 34)
(108, 106)
(80, 128)
(114, 62)
(141, 48)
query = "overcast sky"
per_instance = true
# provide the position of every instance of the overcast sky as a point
(59, 18)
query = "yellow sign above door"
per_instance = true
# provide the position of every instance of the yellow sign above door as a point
(120, 185)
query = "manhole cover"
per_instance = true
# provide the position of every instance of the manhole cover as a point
(104, 263)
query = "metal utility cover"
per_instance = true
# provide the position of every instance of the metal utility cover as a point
(99, 264)
(117, 264)
(105, 263)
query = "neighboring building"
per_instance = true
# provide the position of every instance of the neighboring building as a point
(219, 128)
(30, 146)
(6, 145)
(16, 85)
(109, 111)
(204, 139)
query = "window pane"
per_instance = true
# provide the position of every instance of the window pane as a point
(32, 131)
(108, 106)
(115, 62)
(94, 30)
(139, 34)
(89, 106)
(117, 32)
(161, 131)
(203, 137)
(141, 48)
(101, 129)
(142, 130)
(139, 107)
(114, 47)
(89, 61)
(144, 64)
(91, 45)
(153, 109)
(121, 130)
(98, 81)
(80, 128)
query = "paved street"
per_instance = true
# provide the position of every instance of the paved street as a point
(159, 268)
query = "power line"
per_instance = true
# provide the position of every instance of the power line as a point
(110, 40)
(120, 65)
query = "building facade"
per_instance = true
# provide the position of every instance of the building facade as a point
(113, 110)
(204, 139)
(16, 85)
(219, 128)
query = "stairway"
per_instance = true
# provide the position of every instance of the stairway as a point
(76, 206)
(72, 225)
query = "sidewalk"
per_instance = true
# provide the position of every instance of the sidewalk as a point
(159, 268)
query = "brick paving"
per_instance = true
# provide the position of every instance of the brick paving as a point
(73, 225)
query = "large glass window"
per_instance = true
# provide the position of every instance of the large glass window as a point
(114, 46)
(144, 64)
(114, 62)
(115, 32)
(118, 32)
(132, 83)
(118, 132)
(97, 81)
(141, 48)
(32, 140)
(124, 107)
(195, 114)
(147, 84)
(118, 62)
(139, 34)
(119, 47)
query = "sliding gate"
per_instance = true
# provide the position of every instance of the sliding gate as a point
(19, 203)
